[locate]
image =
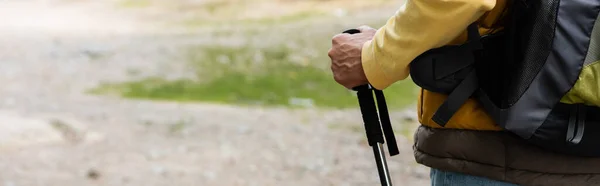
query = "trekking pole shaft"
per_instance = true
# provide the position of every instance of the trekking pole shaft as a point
(384, 174)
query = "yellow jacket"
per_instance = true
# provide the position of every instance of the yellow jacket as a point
(421, 25)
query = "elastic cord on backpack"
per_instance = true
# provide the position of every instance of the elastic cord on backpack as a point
(576, 125)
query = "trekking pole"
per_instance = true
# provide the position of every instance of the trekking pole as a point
(373, 127)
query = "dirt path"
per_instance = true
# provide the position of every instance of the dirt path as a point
(51, 52)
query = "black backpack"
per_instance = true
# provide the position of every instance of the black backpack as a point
(520, 74)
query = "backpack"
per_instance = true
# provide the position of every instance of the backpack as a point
(519, 75)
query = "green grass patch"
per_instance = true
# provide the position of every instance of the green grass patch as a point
(254, 76)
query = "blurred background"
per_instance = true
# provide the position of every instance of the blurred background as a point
(188, 93)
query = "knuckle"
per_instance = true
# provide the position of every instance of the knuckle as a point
(339, 37)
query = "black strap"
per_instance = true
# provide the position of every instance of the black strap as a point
(467, 87)
(371, 119)
(456, 99)
(386, 124)
(474, 37)
(576, 125)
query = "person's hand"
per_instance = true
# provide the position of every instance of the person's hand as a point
(346, 54)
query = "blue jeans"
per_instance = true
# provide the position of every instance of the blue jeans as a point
(443, 178)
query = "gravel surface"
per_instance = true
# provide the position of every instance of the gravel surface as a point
(51, 52)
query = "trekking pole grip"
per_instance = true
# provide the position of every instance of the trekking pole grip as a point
(365, 86)
(352, 31)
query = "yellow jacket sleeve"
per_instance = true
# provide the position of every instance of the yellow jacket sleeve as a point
(419, 25)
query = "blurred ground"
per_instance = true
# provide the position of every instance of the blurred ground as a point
(53, 133)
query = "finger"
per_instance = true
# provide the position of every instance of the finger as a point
(336, 38)
(349, 86)
(336, 56)
(337, 79)
(331, 53)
